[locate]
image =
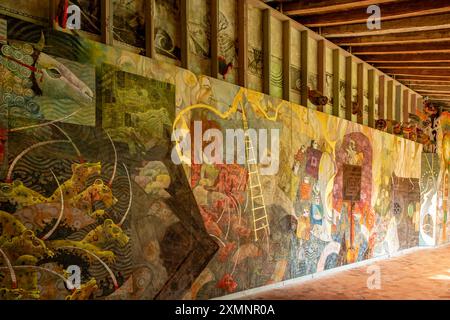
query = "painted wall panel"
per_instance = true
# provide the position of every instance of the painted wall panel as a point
(199, 36)
(329, 80)
(366, 97)
(276, 79)
(167, 33)
(295, 65)
(129, 22)
(227, 40)
(342, 84)
(312, 71)
(200, 229)
(35, 11)
(255, 45)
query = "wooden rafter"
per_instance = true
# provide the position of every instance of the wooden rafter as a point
(409, 48)
(413, 65)
(415, 24)
(396, 38)
(327, 6)
(420, 79)
(421, 87)
(321, 66)
(420, 57)
(420, 72)
(389, 11)
(433, 92)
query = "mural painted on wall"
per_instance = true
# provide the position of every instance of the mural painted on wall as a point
(102, 196)
(91, 13)
(429, 199)
(443, 147)
(167, 35)
(106, 195)
(135, 110)
(129, 22)
(199, 30)
(34, 11)
(227, 41)
(311, 227)
(39, 86)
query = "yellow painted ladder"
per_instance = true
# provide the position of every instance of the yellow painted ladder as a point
(260, 218)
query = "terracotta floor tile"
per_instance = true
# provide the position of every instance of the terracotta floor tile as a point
(424, 274)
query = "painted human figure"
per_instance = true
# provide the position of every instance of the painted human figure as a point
(353, 156)
(298, 159)
(313, 157)
(304, 225)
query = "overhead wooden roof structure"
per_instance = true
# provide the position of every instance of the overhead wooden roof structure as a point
(412, 46)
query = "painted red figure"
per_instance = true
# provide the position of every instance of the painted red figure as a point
(227, 283)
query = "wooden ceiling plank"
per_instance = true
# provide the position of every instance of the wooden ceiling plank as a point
(420, 57)
(327, 6)
(415, 24)
(420, 87)
(420, 72)
(411, 79)
(389, 11)
(438, 96)
(427, 92)
(396, 38)
(409, 48)
(444, 65)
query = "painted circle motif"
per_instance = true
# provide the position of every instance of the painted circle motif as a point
(13, 66)
(17, 89)
(27, 49)
(7, 51)
(27, 60)
(28, 93)
(20, 101)
(16, 45)
(25, 72)
(17, 55)
(27, 83)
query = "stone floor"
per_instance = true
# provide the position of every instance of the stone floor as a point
(422, 274)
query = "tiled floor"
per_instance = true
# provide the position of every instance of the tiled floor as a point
(423, 274)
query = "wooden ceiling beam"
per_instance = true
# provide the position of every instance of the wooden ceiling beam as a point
(424, 87)
(327, 6)
(413, 65)
(420, 57)
(415, 24)
(396, 38)
(443, 97)
(389, 11)
(411, 79)
(437, 47)
(433, 91)
(420, 72)
(445, 101)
